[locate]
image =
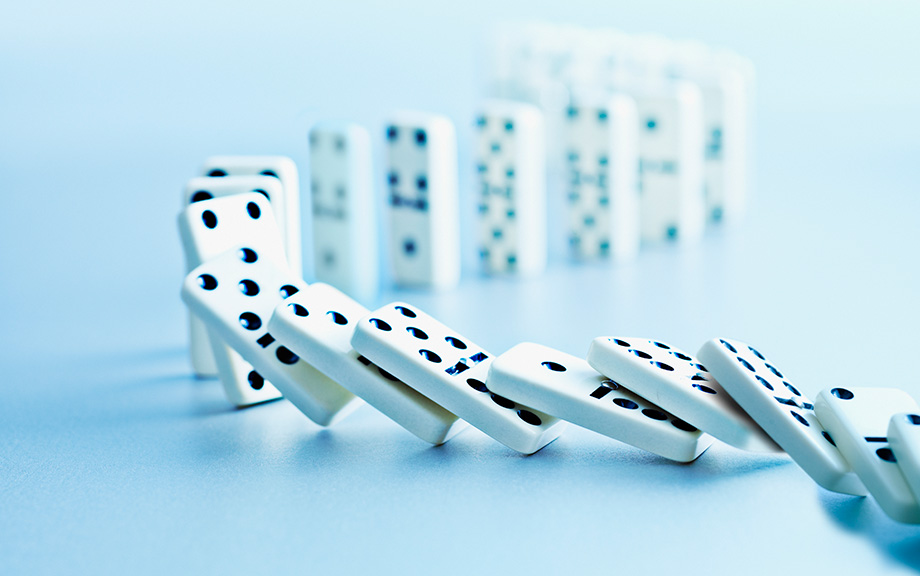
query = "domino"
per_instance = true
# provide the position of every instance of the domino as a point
(203, 188)
(452, 371)
(679, 384)
(671, 160)
(423, 212)
(904, 440)
(344, 215)
(235, 295)
(511, 175)
(602, 166)
(567, 387)
(287, 208)
(857, 419)
(209, 228)
(781, 410)
(317, 324)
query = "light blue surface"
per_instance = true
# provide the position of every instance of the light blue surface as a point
(115, 460)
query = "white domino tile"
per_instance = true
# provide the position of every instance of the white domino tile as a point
(904, 440)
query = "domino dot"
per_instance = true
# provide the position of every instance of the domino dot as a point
(429, 355)
(828, 438)
(699, 367)
(529, 417)
(510, 214)
(299, 310)
(681, 355)
(624, 403)
(392, 133)
(393, 178)
(417, 333)
(314, 139)
(409, 247)
(663, 366)
(842, 393)
(729, 346)
(207, 282)
(250, 321)
(455, 342)
(249, 288)
(571, 112)
(651, 124)
(338, 318)
(602, 160)
(705, 389)
(405, 311)
(641, 354)
(681, 425)
(913, 419)
(217, 173)
(255, 380)
(792, 388)
(654, 414)
(509, 172)
(340, 191)
(619, 342)
(287, 291)
(200, 195)
(285, 356)
(271, 173)
(800, 418)
(766, 384)
(340, 144)
(380, 324)
(602, 115)
(495, 147)
(481, 122)
(512, 260)
(502, 401)
(420, 137)
(509, 126)
(774, 370)
(209, 219)
(699, 377)
(886, 454)
(747, 365)
(263, 193)
(661, 345)
(477, 385)
(253, 210)
(554, 366)
(756, 353)
(422, 183)
(497, 233)
(248, 255)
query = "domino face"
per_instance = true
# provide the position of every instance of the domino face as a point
(781, 410)
(511, 174)
(671, 159)
(725, 122)
(287, 208)
(602, 166)
(858, 420)
(424, 237)
(209, 228)
(199, 189)
(317, 323)
(235, 295)
(681, 385)
(452, 371)
(567, 387)
(904, 440)
(344, 218)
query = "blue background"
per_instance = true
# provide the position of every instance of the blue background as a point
(115, 459)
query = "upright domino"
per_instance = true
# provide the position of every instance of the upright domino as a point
(424, 235)
(781, 410)
(671, 157)
(904, 439)
(567, 387)
(451, 371)
(235, 295)
(203, 188)
(209, 228)
(602, 165)
(317, 323)
(679, 384)
(511, 175)
(344, 214)
(287, 209)
(857, 419)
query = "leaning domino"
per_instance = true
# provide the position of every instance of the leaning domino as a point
(904, 439)
(679, 384)
(781, 410)
(317, 323)
(423, 211)
(567, 387)
(451, 371)
(857, 419)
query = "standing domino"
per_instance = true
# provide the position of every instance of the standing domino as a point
(450, 370)
(781, 410)
(209, 228)
(344, 218)
(857, 419)
(511, 171)
(285, 171)
(424, 235)
(904, 438)
(317, 323)
(204, 188)
(235, 294)
(602, 166)
(675, 381)
(567, 387)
